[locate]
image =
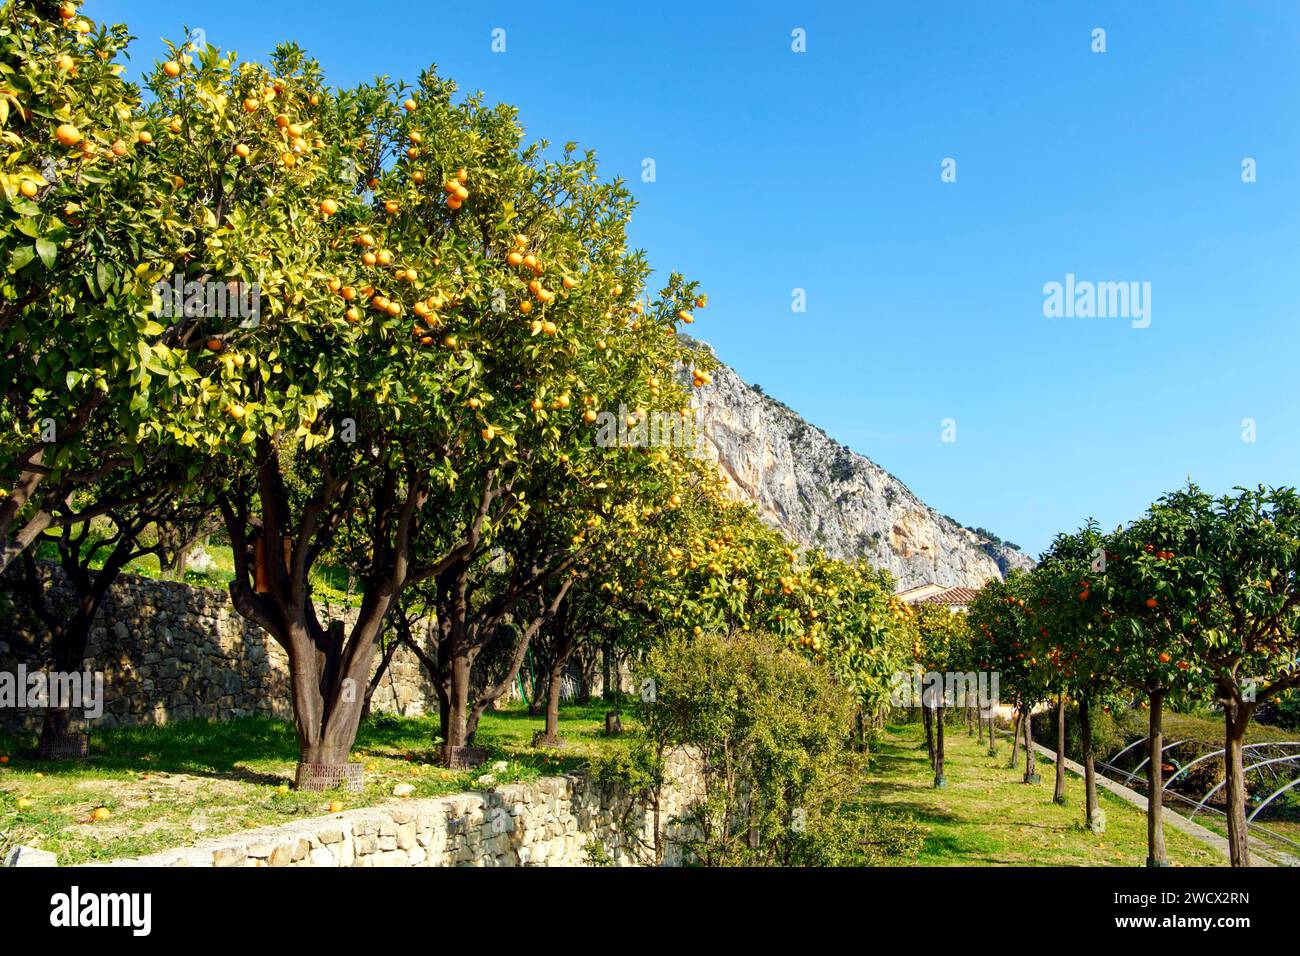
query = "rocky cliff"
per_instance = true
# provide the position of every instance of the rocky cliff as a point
(822, 494)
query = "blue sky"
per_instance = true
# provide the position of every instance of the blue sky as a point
(778, 170)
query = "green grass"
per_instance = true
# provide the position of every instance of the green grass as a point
(170, 786)
(986, 816)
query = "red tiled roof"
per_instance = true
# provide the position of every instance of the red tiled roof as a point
(950, 596)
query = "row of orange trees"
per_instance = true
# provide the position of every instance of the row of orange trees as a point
(1200, 597)
(369, 327)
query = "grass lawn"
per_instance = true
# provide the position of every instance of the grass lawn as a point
(170, 786)
(987, 816)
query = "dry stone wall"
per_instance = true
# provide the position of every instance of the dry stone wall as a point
(171, 651)
(554, 821)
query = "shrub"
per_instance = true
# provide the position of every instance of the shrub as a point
(780, 777)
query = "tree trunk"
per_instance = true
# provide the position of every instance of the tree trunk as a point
(1092, 816)
(1236, 720)
(1058, 795)
(1031, 764)
(1155, 782)
(939, 779)
(993, 736)
(1015, 739)
(458, 706)
(929, 731)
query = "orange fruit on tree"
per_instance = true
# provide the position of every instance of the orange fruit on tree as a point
(353, 314)
(172, 68)
(214, 344)
(514, 258)
(1151, 602)
(251, 105)
(67, 134)
(281, 120)
(242, 151)
(67, 11)
(409, 105)
(29, 188)
(369, 258)
(525, 306)
(329, 207)
(391, 207)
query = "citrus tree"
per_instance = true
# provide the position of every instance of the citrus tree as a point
(1218, 575)
(90, 375)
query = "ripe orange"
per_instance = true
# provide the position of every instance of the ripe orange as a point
(1164, 657)
(449, 340)
(530, 261)
(329, 207)
(417, 177)
(409, 105)
(281, 120)
(242, 151)
(66, 63)
(68, 135)
(1151, 602)
(353, 314)
(525, 307)
(214, 344)
(569, 282)
(29, 188)
(385, 257)
(514, 258)
(348, 293)
(521, 240)
(391, 207)
(369, 258)
(67, 11)
(454, 202)
(100, 813)
(172, 68)
(589, 416)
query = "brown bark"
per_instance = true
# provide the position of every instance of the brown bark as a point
(1236, 719)
(929, 730)
(1015, 739)
(1155, 782)
(939, 779)
(1031, 764)
(1091, 817)
(1058, 795)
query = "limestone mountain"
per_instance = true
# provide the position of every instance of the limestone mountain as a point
(821, 493)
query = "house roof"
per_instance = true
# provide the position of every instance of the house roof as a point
(949, 596)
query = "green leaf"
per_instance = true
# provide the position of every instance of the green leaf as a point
(48, 251)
